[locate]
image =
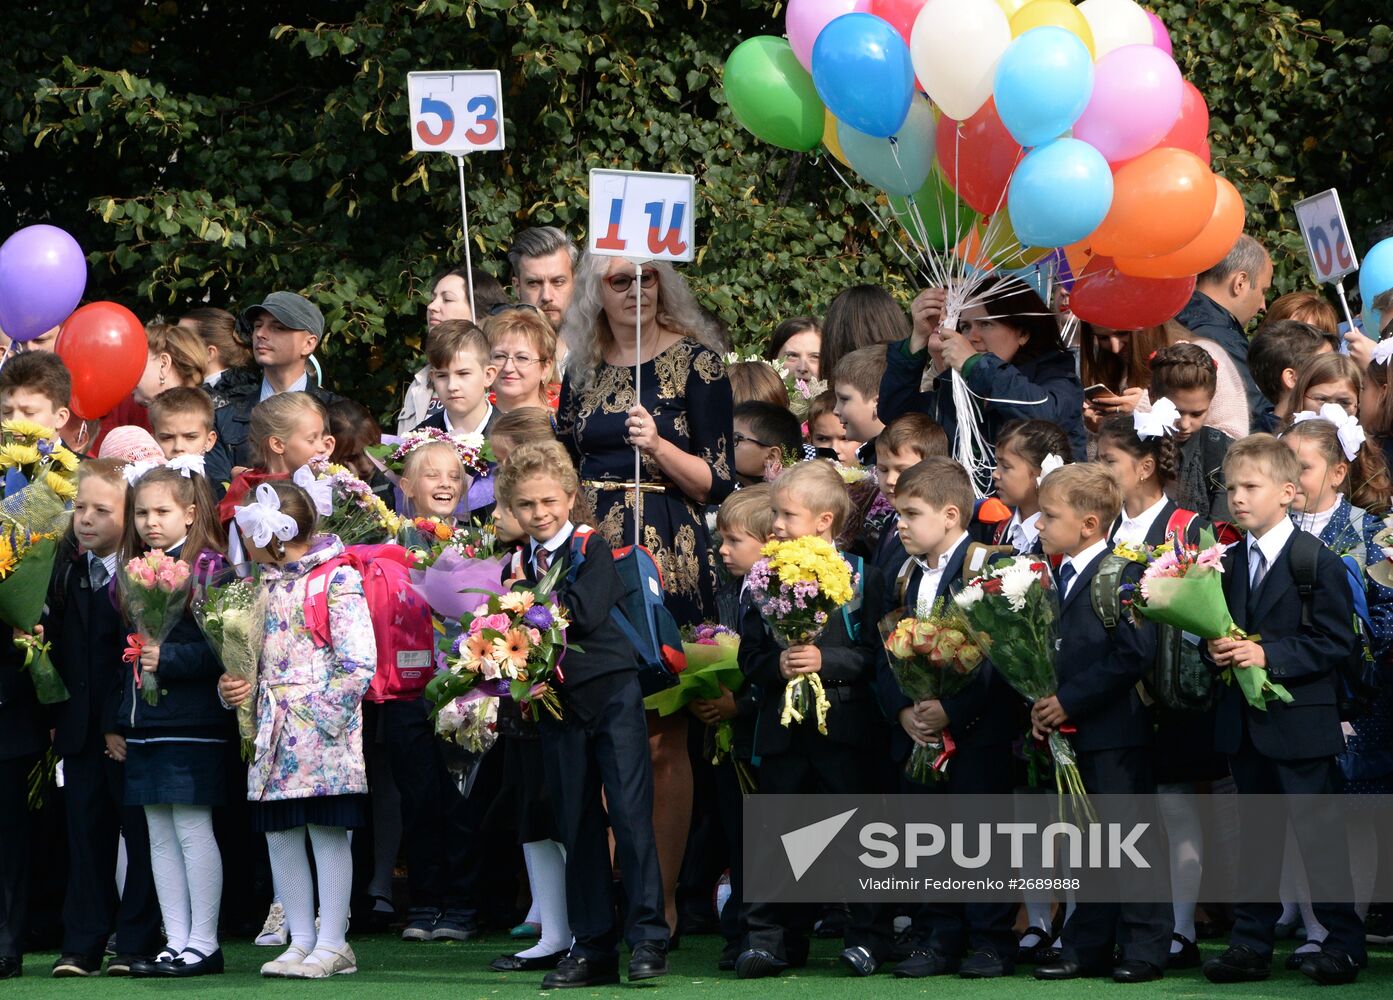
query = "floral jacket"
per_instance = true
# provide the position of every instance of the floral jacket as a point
(309, 739)
(1351, 532)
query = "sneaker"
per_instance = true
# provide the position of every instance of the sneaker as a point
(323, 963)
(76, 965)
(274, 933)
(454, 925)
(420, 923)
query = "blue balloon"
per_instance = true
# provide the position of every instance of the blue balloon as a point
(1059, 194)
(1375, 278)
(862, 72)
(900, 164)
(1043, 83)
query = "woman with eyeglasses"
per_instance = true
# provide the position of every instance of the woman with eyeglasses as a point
(682, 426)
(523, 348)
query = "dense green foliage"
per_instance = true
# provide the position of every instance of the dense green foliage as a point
(214, 152)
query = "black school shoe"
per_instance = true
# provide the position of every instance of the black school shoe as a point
(1134, 970)
(925, 962)
(573, 973)
(208, 965)
(11, 968)
(76, 966)
(985, 963)
(648, 961)
(516, 963)
(756, 963)
(1330, 968)
(1188, 957)
(1239, 964)
(860, 960)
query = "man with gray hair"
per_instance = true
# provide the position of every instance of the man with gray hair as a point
(1227, 298)
(543, 259)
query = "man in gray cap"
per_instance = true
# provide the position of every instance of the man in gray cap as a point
(285, 329)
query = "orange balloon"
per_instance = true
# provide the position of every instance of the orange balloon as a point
(986, 246)
(1161, 201)
(1078, 255)
(1204, 251)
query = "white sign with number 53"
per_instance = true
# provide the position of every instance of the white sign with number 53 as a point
(456, 112)
(1327, 239)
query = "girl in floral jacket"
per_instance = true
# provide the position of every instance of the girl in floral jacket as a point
(307, 770)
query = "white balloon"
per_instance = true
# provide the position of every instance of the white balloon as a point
(1116, 23)
(955, 47)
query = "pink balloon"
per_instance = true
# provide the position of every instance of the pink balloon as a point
(1161, 38)
(1137, 92)
(806, 19)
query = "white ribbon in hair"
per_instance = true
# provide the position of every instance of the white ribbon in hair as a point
(1383, 351)
(1159, 421)
(1051, 462)
(135, 470)
(264, 518)
(186, 465)
(321, 491)
(1347, 427)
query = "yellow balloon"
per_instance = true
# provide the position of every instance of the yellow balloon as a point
(829, 137)
(1056, 13)
(1009, 7)
(993, 243)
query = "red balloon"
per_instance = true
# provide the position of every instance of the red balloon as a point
(1105, 296)
(105, 350)
(978, 156)
(1191, 128)
(900, 14)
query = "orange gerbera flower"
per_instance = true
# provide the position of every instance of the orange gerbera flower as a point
(515, 647)
(477, 648)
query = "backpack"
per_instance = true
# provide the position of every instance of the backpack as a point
(1357, 676)
(401, 620)
(641, 615)
(1179, 679)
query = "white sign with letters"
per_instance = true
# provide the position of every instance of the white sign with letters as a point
(456, 112)
(642, 215)
(1327, 239)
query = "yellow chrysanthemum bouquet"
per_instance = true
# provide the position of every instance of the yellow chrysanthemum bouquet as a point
(40, 482)
(798, 586)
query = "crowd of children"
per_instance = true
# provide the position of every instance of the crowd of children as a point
(569, 800)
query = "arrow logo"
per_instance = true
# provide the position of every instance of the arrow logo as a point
(806, 844)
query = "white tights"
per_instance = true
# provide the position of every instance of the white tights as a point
(295, 886)
(188, 876)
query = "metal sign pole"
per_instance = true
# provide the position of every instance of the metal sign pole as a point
(638, 399)
(468, 256)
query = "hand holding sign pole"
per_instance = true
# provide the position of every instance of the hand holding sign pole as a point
(457, 113)
(644, 217)
(1322, 223)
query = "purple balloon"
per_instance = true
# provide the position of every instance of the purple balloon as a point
(42, 277)
(1137, 92)
(1160, 37)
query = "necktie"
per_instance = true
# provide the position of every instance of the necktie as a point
(1066, 576)
(543, 559)
(1259, 572)
(97, 574)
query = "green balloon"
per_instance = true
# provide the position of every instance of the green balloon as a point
(772, 95)
(943, 218)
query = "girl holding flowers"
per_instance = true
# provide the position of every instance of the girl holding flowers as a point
(307, 771)
(176, 733)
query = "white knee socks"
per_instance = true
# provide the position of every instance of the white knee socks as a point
(187, 867)
(546, 870)
(1185, 835)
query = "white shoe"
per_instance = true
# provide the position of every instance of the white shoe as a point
(323, 963)
(273, 932)
(276, 968)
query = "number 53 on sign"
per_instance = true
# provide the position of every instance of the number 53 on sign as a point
(456, 112)
(1323, 227)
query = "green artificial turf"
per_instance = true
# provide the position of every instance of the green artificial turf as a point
(390, 968)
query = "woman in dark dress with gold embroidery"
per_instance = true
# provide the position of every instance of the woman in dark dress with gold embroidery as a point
(682, 425)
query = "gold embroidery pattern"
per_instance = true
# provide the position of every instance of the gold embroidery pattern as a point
(709, 366)
(673, 367)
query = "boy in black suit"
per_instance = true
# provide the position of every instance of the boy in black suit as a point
(599, 746)
(1098, 670)
(906, 441)
(810, 499)
(1288, 749)
(933, 502)
(461, 371)
(88, 634)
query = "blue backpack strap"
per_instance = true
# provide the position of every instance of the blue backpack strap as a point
(851, 612)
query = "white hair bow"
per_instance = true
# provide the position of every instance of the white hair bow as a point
(321, 491)
(1383, 351)
(186, 465)
(264, 518)
(1051, 462)
(135, 470)
(1347, 427)
(1158, 422)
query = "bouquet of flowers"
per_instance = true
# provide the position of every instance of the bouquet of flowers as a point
(231, 611)
(798, 586)
(930, 657)
(40, 480)
(153, 588)
(801, 391)
(510, 644)
(450, 566)
(1182, 586)
(347, 505)
(711, 664)
(1012, 612)
(470, 721)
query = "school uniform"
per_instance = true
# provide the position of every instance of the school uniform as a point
(440, 421)
(23, 737)
(1098, 670)
(889, 553)
(1290, 749)
(983, 719)
(88, 635)
(600, 745)
(798, 759)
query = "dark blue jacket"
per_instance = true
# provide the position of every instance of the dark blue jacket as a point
(1050, 379)
(1098, 669)
(233, 420)
(1204, 317)
(1300, 658)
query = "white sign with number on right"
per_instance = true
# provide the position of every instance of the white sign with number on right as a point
(1322, 223)
(646, 216)
(456, 112)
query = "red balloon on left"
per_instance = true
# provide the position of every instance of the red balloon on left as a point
(104, 347)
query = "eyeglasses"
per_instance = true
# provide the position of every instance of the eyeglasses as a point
(520, 361)
(742, 438)
(621, 283)
(502, 307)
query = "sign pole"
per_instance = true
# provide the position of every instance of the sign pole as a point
(468, 255)
(1344, 302)
(638, 399)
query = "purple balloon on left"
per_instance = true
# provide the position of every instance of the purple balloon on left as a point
(42, 277)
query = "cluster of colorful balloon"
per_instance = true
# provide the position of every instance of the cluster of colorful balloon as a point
(1007, 129)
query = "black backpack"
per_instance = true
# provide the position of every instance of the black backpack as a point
(1356, 676)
